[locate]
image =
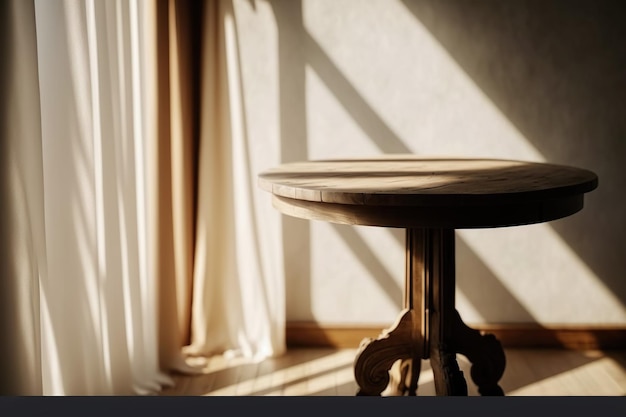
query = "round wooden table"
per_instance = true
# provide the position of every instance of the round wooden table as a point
(430, 198)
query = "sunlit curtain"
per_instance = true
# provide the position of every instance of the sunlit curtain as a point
(130, 231)
(99, 321)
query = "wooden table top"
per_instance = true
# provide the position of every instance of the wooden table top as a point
(408, 182)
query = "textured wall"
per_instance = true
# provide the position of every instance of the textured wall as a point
(531, 80)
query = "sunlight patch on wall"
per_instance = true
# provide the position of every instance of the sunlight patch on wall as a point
(377, 81)
(410, 81)
(545, 275)
(422, 95)
(470, 313)
(334, 134)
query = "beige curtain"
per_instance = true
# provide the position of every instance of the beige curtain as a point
(228, 296)
(130, 232)
(99, 298)
(177, 37)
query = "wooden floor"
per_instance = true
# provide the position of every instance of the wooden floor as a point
(541, 372)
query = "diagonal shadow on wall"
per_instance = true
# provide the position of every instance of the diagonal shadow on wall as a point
(293, 140)
(478, 275)
(358, 109)
(369, 260)
(557, 71)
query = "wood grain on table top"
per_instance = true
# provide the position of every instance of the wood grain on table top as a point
(410, 180)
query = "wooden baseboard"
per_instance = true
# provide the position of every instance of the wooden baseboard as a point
(524, 335)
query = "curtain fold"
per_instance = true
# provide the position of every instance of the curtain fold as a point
(217, 292)
(238, 297)
(22, 250)
(130, 232)
(177, 133)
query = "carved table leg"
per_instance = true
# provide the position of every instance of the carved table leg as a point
(448, 377)
(485, 353)
(377, 356)
(429, 327)
(439, 265)
(416, 368)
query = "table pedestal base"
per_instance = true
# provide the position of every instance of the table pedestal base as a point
(429, 327)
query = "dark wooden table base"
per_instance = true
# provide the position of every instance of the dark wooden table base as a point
(429, 327)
